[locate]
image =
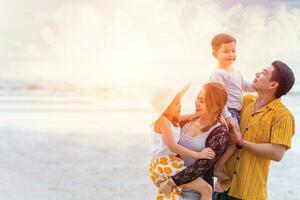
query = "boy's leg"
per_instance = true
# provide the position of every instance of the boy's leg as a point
(200, 186)
(221, 162)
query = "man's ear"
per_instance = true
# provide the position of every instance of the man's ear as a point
(274, 85)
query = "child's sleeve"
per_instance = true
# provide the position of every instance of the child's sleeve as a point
(226, 112)
(218, 77)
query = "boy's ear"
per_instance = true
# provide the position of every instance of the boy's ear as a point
(214, 53)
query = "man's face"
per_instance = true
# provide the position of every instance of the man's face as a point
(262, 81)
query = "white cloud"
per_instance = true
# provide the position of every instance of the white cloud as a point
(147, 41)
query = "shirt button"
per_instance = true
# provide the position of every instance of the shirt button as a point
(234, 172)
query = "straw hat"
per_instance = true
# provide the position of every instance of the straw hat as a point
(162, 98)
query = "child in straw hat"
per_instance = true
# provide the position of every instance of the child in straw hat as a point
(165, 150)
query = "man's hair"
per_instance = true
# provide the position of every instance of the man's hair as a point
(284, 76)
(220, 39)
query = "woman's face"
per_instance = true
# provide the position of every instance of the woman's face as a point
(201, 109)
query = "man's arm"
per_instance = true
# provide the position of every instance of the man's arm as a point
(266, 150)
(281, 134)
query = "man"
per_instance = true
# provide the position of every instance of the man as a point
(266, 131)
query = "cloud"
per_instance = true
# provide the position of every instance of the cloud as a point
(134, 42)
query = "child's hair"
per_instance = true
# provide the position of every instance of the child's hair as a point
(215, 97)
(220, 39)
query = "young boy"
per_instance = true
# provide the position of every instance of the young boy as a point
(223, 49)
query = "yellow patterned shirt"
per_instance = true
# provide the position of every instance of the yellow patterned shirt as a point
(273, 123)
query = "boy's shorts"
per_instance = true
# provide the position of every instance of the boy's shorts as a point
(235, 114)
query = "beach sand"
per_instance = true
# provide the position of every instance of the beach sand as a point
(87, 156)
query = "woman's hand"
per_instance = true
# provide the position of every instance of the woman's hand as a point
(206, 153)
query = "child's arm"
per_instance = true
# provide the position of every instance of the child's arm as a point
(186, 117)
(247, 86)
(183, 119)
(164, 129)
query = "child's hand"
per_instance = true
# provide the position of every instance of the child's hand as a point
(206, 153)
(165, 187)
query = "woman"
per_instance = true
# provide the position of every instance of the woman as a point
(203, 131)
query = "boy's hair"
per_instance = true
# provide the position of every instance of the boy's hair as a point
(284, 76)
(220, 39)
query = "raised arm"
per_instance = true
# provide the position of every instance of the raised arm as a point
(247, 86)
(218, 141)
(283, 128)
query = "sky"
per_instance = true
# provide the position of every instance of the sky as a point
(114, 43)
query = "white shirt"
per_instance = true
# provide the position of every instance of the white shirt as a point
(235, 85)
(158, 146)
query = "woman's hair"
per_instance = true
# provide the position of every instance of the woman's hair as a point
(215, 97)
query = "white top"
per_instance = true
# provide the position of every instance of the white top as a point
(158, 145)
(235, 85)
(196, 143)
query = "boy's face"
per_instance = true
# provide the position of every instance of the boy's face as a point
(226, 54)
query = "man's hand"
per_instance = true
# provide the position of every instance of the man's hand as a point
(235, 134)
(230, 120)
(223, 121)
